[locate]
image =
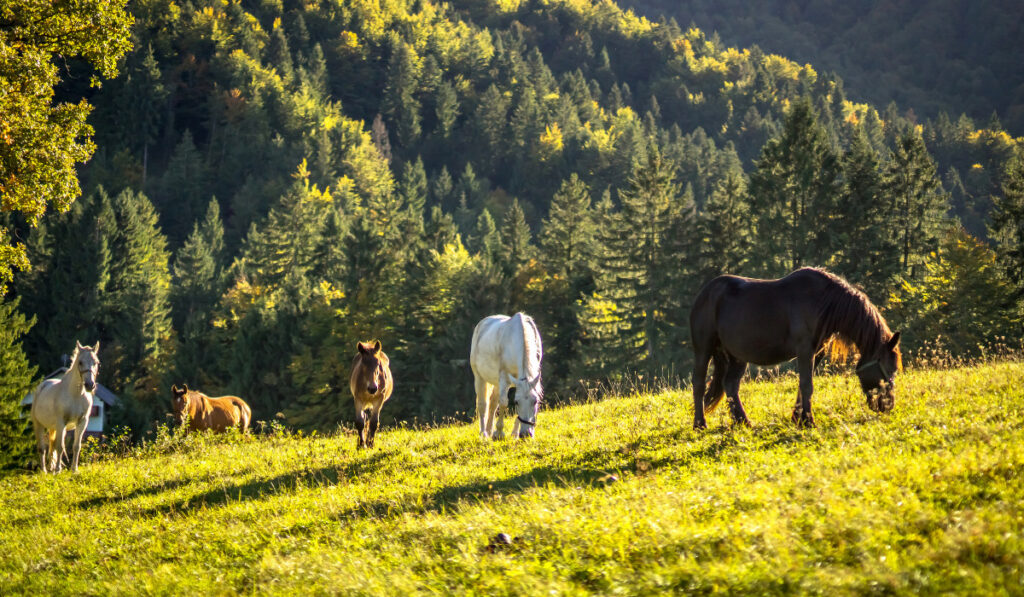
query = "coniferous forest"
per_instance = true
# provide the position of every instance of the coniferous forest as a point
(272, 181)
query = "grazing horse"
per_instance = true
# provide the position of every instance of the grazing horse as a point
(204, 412)
(371, 386)
(62, 404)
(737, 320)
(505, 357)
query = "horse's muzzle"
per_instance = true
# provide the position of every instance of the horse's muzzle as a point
(372, 389)
(89, 386)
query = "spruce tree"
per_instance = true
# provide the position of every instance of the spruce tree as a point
(1007, 228)
(17, 446)
(725, 229)
(916, 202)
(866, 252)
(198, 283)
(793, 194)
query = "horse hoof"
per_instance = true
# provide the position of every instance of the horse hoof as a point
(698, 425)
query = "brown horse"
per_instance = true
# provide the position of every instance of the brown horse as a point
(371, 386)
(204, 412)
(737, 320)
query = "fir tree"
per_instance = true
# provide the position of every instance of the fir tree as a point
(725, 230)
(793, 192)
(1007, 228)
(916, 202)
(16, 379)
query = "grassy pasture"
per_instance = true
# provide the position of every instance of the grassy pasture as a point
(616, 496)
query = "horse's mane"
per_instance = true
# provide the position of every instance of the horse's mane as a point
(849, 322)
(533, 350)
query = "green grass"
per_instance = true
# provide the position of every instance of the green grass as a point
(927, 499)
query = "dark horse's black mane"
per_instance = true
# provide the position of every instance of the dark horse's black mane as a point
(847, 315)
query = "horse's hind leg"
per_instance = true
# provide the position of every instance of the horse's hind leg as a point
(700, 371)
(733, 376)
(483, 410)
(42, 446)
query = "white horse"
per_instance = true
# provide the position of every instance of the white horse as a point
(505, 357)
(62, 404)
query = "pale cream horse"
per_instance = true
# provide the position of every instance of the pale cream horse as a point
(65, 403)
(505, 357)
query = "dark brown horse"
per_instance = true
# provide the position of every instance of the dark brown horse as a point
(737, 320)
(204, 412)
(371, 386)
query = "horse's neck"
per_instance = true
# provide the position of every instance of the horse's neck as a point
(197, 406)
(72, 380)
(525, 358)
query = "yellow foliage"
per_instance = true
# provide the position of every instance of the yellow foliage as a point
(348, 40)
(977, 167)
(782, 68)
(551, 141)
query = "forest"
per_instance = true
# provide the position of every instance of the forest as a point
(273, 181)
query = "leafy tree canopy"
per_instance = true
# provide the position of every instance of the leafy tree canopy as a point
(42, 141)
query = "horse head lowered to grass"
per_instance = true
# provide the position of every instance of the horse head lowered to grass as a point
(738, 320)
(506, 360)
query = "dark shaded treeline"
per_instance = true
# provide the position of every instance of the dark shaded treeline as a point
(277, 181)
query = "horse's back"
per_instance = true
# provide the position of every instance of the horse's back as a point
(485, 348)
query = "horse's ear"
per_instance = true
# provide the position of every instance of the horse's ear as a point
(185, 387)
(376, 347)
(97, 347)
(361, 348)
(895, 340)
(78, 345)
(174, 388)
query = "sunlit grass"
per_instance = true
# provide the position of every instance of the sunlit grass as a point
(614, 496)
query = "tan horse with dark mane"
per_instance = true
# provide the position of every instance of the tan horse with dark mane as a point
(371, 386)
(204, 412)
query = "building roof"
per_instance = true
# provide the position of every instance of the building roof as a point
(102, 392)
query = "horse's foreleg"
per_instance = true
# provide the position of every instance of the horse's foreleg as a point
(61, 455)
(42, 445)
(482, 411)
(501, 407)
(360, 423)
(733, 376)
(700, 372)
(77, 448)
(372, 430)
(802, 411)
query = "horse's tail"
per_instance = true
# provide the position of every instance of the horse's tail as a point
(716, 389)
(245, 415)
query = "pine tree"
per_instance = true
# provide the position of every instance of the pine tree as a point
(867, 254)
(1007, 228)
(637, 288)
(16, 378)
(137, 315)
(413, 186)
(567, 236)
(73, 255)
(567, 251)
(446, 109)
(516, 247)
(916, 202)
(198, 282)
(793, 194)
(725, 229)
(183, 189)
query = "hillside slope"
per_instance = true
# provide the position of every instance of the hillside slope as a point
(940, 55)
(925, 499)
